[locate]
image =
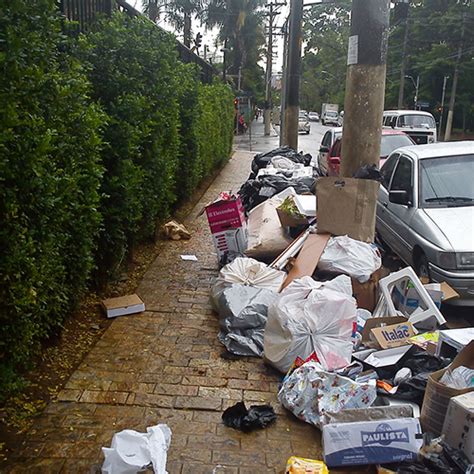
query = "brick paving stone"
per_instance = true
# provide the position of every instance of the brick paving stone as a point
(164, 366)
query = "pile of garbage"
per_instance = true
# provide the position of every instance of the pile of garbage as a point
(364, 354)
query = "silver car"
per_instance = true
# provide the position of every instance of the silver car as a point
(303, 124)
(425, 212)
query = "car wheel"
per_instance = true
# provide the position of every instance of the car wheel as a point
(422, 268)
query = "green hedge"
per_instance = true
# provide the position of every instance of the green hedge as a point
(98, 141)
(50, 174)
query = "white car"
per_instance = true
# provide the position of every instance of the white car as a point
(425, 212)
(303, 124)
(330, 118)
(313, 116)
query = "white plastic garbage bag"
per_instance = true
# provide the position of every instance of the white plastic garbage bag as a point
(351, 257)
(242, 316)
(309, 317)
(132, 451)
(310, 392)
(249, 272)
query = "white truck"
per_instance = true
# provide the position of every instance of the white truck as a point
(329, 114)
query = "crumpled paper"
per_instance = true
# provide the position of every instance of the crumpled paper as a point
(309, 392)
(132, 451)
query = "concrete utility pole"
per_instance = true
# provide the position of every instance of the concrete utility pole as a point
(401, 90)
(442, 106)
(452, 98)
(292, 95)
(284, 81)
(273, 11)
(365, 85)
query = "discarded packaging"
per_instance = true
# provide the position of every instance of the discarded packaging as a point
(373, 413)
(123, 305)
(228, 226)
(131, 451)
(189, 258)
(266, 237)
(458, 428)
(248, 272)
(256, 417)
(371, 442)
(309, 317)
(394, 335)
(176, 231)
(437, 395)
(451, 341)
(461, 377)
(351, 257)
(309, 392)
(346, 206)
(296, 465)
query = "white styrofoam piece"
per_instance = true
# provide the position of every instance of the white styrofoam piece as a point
(306, 204)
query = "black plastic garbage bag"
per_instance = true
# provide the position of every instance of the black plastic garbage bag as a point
(256, 417)
(261, 160)
(369, 172)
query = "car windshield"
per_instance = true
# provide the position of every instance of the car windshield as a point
(392, 142)
(447, 181)
(331, 114)
(413, 120)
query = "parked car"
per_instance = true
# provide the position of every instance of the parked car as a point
(330, 118)
(303, 124)
(326, 143)
(425, 212)
(390, 141)
(313, 117)
(421, 126)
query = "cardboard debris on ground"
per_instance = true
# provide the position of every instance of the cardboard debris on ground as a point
(394, 335)
(123, 305)
(437, 395)
(308, 258)
(368, 338)
(176, 231)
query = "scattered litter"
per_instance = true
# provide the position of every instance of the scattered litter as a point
(308, 317)
(369, 172)
(351, 257)
(296, 465)
(176, 231)
(261, 160)
(132, 451)
(190, 258)
(123, 305)
(309, 392)
(256, 417)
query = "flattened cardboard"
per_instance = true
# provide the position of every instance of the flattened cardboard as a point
(308, 258)
(346, 206)
(372, 323)
(394, 335)
(123, 305)
(448, 292)
(437, 395)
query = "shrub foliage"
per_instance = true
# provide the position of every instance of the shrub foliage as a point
(98, 140)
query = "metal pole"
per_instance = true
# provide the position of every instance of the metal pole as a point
(445, 80)
(417, 86)
(250, 125)
(239, 78)
(452, 98)
(401, 90)
(365, 85)
(293, 75)
(284, 81)
(268, 78)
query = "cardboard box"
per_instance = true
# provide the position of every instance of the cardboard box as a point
(287, 220)
(346, 206)
(123, 305)
(394, 335)
(438, 395)
(228, 226)
(368, 338)
(451, 341)
(458, 428)
(371, 442)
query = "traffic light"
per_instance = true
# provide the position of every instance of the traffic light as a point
(198, 40)
(236, 103)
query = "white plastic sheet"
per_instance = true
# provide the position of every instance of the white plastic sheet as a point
(248, 272)
(309, 392)
(309, 317)
(351, 257)
(132, 451)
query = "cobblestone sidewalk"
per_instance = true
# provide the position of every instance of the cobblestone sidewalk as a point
(164, 366)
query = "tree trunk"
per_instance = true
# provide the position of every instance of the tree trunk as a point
(187, 30)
